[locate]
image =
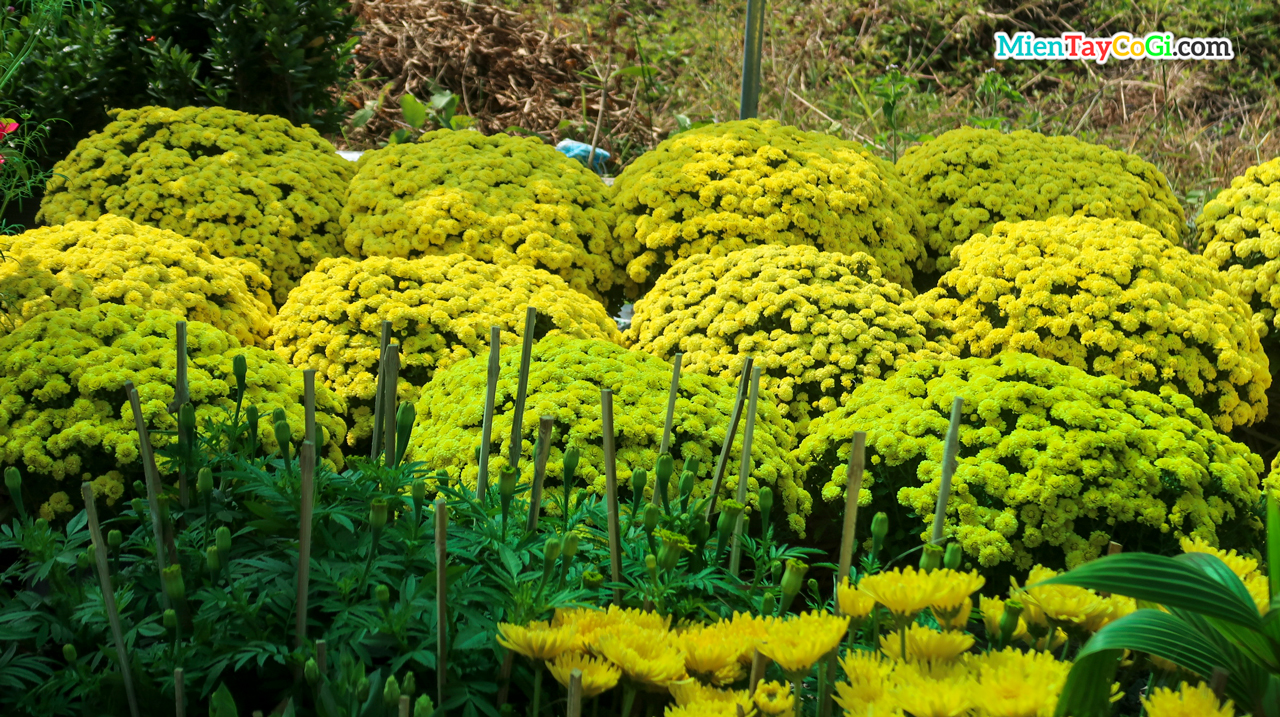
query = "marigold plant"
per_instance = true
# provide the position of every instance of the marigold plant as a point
(968, 179)
(817, 323)
(112, 260)
(503, 199)
(1053, 463)
(65, 416)
(250, 186)
(565, 379)
(1110, 297)
(1239, 231)
(732, 185)
(440, 309)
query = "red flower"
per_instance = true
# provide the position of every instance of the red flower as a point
(7, 127)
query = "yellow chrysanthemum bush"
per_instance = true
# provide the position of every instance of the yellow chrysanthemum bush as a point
(1110, 297)
(733, 185)
(249, 186)
(440, 308)
(1239, 231)
(1053, 463)
(112, 260)
(65, 416)
(817, 323)
(565, 379)
(968, 179)
(503, 199)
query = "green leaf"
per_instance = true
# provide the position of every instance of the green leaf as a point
(1162, 580)
(637, 71)
(461, 122)
(362, 117)
(399, 136)
(221, 703)
(415, 113)
(1087, 692)
(1273, 546)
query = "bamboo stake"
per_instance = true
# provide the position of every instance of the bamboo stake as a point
(181, 395)
(743, 383)
(490, 396)
(522, 388)
(611, 492)
(759, 663)
(309, 403)
(108, 595)
(307, 459)
(389, 403)
(671, 404)
(948, 469)
(322, 656)
(179, 697)
(539, 471)
(377, 394)
(404, 706)
(442, 602)
(153, 491)
(852, 487)
(744, 471)
(575, 693)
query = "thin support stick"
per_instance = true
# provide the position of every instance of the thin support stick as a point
(377, 395)
(759, 663)
(948, 469)
(852, 487)
(322, 655)
(671, 404)
(744, 471)
(442, 597)
(179, 696)
(575, 693)
(723, 462)
(522, 388)
(611, 492)
(108, 595)
(545, 424)
(181, 393)
(305, 511)
(153, 489)
(490, 396)
(309, 403)
(389, 403)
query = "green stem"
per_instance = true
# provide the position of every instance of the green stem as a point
(537, 688)
(368, 563)
(628, 700)
(902, 642)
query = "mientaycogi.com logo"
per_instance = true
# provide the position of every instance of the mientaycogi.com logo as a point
(1122, 45)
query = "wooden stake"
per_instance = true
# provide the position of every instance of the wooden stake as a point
(490, 396)
(575, 693)
(759, 663)
(522, 387)
(611, 492)
(100, 550)
(309, 404)
(152, 483)
(181, 393)
(322, 656)
(671, 405)
(179, 699)
(852, 487)
(545, 424)
(389, 403)
(729, 434)
(307, 459)
(404, 705)
(744, 471)
(377, 394)
(949, 451)
(1218, 682)
(442, 601)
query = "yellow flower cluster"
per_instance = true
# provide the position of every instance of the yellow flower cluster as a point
(249, 186)
(1246, 568)
(738, 184)
(502, 199)
(1239, 231)
(565, 379)
(112, 260)
(1053, 463)
(1075, 611)
(64, 415)
(967, 180)
(1186, 701)
(440, 309)
(1109, 297)
(816, 322)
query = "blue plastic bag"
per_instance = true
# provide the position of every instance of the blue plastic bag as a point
(581, 151)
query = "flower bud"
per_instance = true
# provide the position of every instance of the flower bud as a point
(423, 707)
(82, 560)
(13, 480)
(508, 477)
(42, 525)
(139, 487)
(550, 553)
(211, 559)
(278, 415)
(879, 529)
(793, 577)
(251, 418)
(651, 515)
(775, 570)
(170, 619)
(69, 653)
(687, 480)
(204, 480)
(662, 476)
(419, 491)
(391, 693)
(639, 479)
(162, 501)
(1009, 620)
(240, 369)
(114, 539)
(383, 593)
(187, 419)
(173, 586)
(690, 465)
(378, 513)
(409, 686)
(283, 436)
(570, 463)
(813, 586)
(931, 558)
(769, 605)
(569, 547)
(766, 503)
(951, 559)
(139, 505)
(651, 565)
(311, 670)
(592, 580)
(222, 539)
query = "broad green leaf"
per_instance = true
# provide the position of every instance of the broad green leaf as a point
(1273, 546)
(399, 136)
(1162, 580)
(1087, 692)
(361, 117)
(415, 113)
(221, 704)
(637, 71)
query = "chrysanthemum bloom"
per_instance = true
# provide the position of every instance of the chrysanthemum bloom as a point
(690, 691)
(951, 589)
(854, 603)
(597, 675)
(1014, 683)
(1186, 701)
(904, 591)
(927, 645)
(774, 698)
(648, 658)
(868, 675)
(1259, 587)
(747, 631)
(1117, 606)
(712, 653)
(960, 618)
(588, 623)
(797, 643)
(992, 609)
(933, 689)
(1241, 565)
(703, 709)
(538, 640)
(1058, 606)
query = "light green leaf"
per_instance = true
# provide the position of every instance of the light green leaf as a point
(361, 117)
(637, 71)
(415, 113)
(221, 704)
(1087, 692)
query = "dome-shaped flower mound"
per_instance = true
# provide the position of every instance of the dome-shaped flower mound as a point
(733, 185)
(967, 180)
(565, 378)
(440, 309)
(816, 322)
(250, 186)
(1108, 297)
(1239, 231)
(112, 260)
(503, 199)
(1053, 463)
(65, 416)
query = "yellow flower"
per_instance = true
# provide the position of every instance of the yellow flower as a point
(855, 603)
(926, 644)
(933, 689)
(773, 698)
(867, 680)
(687, 692)
(588, 624)
(538, 640)
(903, 591)
(650, 659)
(711, 651)
(747, 631)
(1054, 606)
(952, 588)
(1014, 683)
(597, 675)
(797, 643)
(960, 619)
(1241, 565)
(703, 709)
(1186, 701)
(1259, 587)
(992, 609)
